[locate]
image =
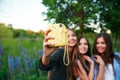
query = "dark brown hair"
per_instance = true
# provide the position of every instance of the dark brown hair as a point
(78, 41)
(72, 56)
(75, 55)
(84, 64)
(70, 72)
(108, 55)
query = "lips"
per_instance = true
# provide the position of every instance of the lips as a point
(72, 41)
(83, 50)
(100, 49)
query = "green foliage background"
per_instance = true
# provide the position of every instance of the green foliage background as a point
(77, 14)
(19, 44)
(20, 54)
(25, 49)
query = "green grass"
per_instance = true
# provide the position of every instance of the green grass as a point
(28, 51)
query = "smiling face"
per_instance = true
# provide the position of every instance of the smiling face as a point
(72, 38)
(83, 46)
(101, 45)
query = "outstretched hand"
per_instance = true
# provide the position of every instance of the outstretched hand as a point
(48, 48)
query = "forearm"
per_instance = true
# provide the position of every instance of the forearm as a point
(45, 60)
(83, 76)
(82, 73)
(91, 73)
(100, 75)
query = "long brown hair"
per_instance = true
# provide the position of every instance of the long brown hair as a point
(108, 55)
(75, 55)
(70, 72)
(88, 53)
(71, 69)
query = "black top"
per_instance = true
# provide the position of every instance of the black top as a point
(56, 65)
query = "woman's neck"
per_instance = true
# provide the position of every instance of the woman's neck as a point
(70, 49)
(82, 55)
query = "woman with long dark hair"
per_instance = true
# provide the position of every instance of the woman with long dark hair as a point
(53, 57)
(107, 62)
(82, 65)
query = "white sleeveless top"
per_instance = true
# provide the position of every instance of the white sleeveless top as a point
(109, 74)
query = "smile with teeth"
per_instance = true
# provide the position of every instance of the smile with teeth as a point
(72, 41)
(100, 49)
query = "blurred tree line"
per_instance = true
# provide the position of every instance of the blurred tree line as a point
(6, 31)
(80, 14)
(86, 16)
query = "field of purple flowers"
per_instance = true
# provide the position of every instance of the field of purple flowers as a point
(19, 59)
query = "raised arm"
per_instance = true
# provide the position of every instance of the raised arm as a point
(100, 75)
(91, 73)
(81, 71)
(47, 49)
